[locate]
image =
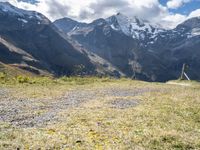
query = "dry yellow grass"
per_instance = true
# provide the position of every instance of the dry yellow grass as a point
(166, 117)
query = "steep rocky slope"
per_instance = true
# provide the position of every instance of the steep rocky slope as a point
(30, 38)
(30, 41)
(117, 46)
(139, 48)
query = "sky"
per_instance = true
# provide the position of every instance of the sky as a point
(168, 13)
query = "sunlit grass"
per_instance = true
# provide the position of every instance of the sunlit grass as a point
(166, 118)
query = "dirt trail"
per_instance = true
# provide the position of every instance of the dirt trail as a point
(40, 112)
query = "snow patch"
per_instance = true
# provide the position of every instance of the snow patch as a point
(151, 42)
(134, 27)
(23, 20)
(151, 51)
(194, 32)
(113, 27)
(8, 8)
(38, 16)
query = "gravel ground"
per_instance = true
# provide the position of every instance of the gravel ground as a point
(40, 112)
(123, 104)
(3, 93)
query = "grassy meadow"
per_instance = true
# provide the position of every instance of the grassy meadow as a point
(165, 115)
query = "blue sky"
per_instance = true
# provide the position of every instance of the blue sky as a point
(186, 8)
(168, 13)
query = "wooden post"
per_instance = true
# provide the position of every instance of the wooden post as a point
(183, 71)
(134, 67)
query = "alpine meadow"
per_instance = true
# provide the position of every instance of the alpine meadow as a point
(98, 74)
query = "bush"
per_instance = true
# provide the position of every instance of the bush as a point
(23, 79)
(2, 75)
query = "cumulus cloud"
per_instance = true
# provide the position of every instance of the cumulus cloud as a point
(103, 8)
(93, 9)
(172, 20)
(89, 10)
(150, 9)
(195, 13)
(174, 4)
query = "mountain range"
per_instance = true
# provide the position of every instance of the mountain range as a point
(115, 46)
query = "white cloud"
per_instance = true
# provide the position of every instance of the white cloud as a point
(173, 4)
(195, 13)
(172, 20)
(88, 10)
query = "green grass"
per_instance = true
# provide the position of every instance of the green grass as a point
(44, 87)
(168, 118)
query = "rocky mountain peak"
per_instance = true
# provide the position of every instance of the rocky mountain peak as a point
(190, 23)
(66, 24)
(6, 9)
(190, 27)
(133, 26)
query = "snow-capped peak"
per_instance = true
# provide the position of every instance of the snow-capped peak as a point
(7, 7)
(133, 26)
(20, 13)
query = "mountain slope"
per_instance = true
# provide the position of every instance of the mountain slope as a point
(179, 46)
(134, 27)
(122, 49)
(67, 24)
(35, 35)
(141, 49)
(117, 46)
(30, 40)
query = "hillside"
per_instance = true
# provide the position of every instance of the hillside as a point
(139, 48)
(29, 39)
(32, 34)
(118, 46)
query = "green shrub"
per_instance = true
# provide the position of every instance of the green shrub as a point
(2, 75)
(23, 79)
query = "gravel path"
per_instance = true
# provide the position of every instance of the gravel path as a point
(40, 112)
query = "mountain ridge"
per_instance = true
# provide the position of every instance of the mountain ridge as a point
(53, 51)
(157, 51)
(115, 46)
